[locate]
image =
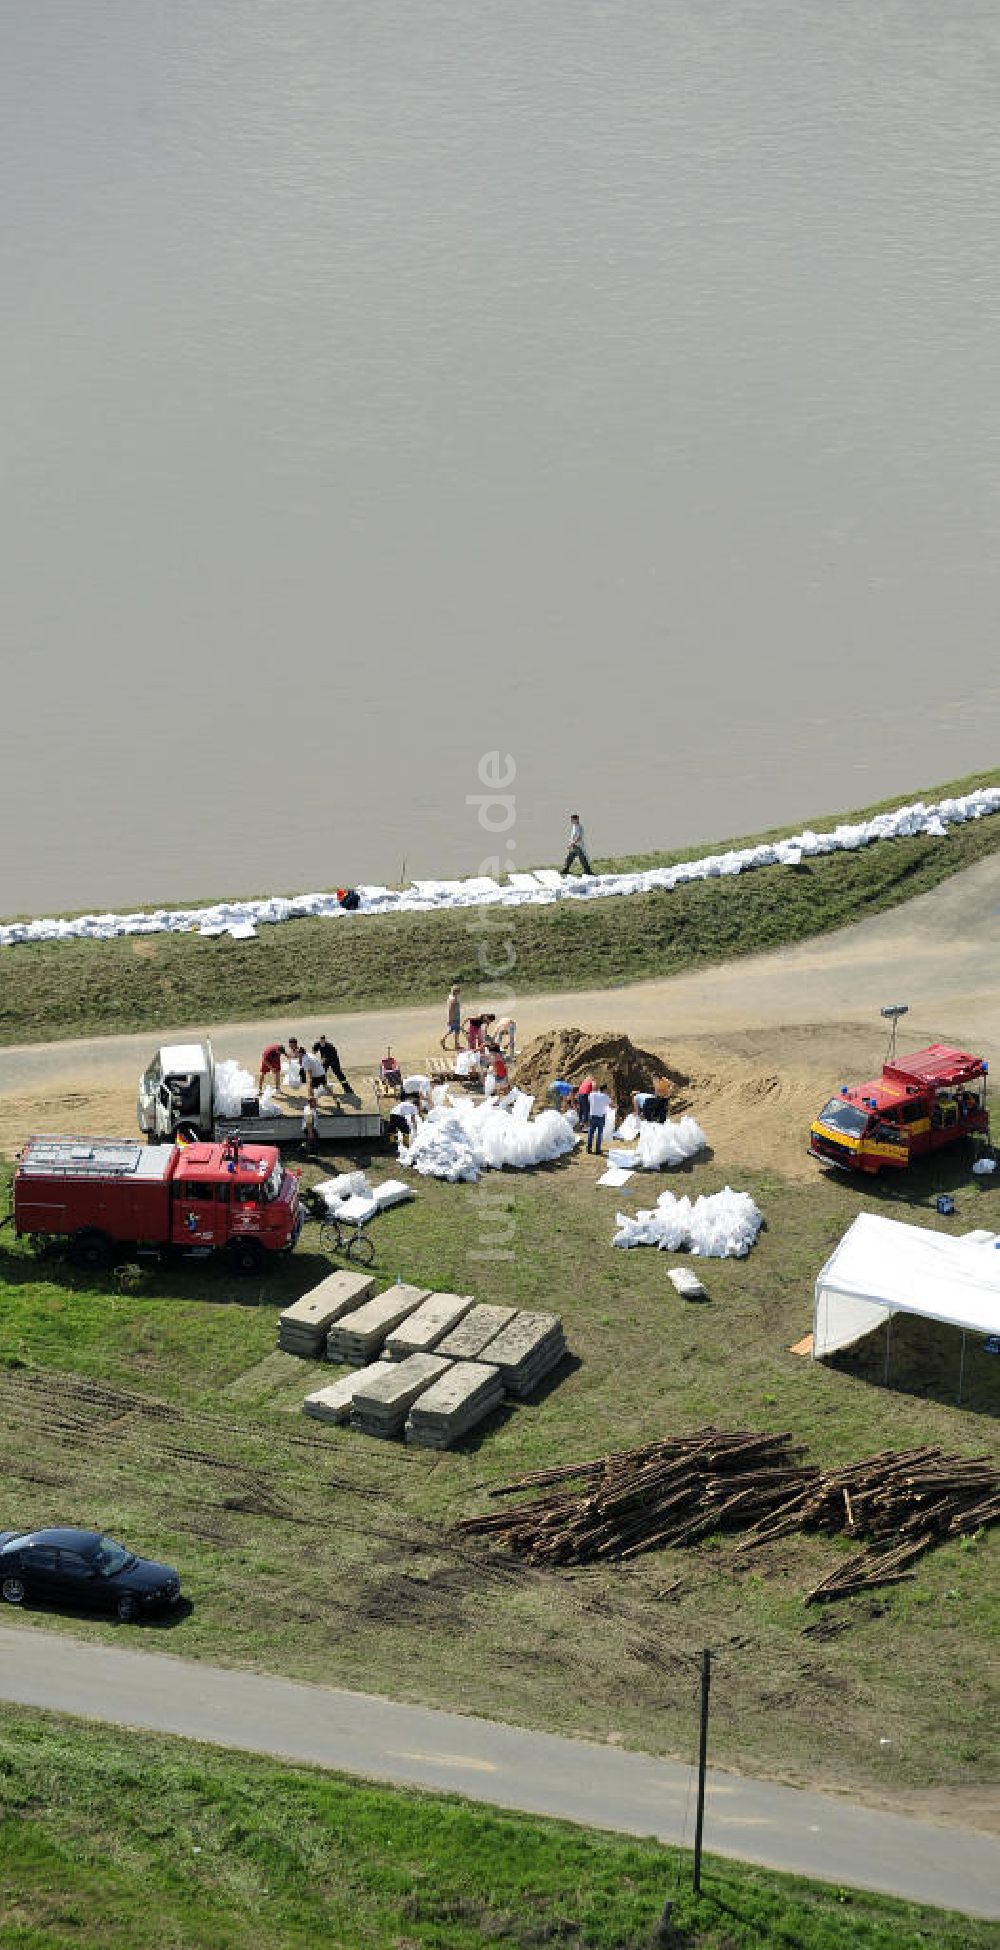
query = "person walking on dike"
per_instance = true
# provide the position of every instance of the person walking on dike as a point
(454, 1017)
(577, 846)
(270, 1065)
(600, 1104)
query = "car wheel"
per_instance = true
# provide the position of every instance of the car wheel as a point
(246, 1256)
(91, 1252)
(13, 1591)
(125, 1610)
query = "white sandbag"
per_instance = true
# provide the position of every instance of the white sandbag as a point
(416, 1086)
(686, 1283)
(347, 1184)
(392, 1191)
(358, 1209)
(291, 1076)
(232, 1084)
(467, 1063)
(628, 1129)
(722, 1225)
(669, 1144)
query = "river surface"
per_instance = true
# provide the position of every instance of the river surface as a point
(615, 386)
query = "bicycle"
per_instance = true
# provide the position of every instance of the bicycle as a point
(352, 1241)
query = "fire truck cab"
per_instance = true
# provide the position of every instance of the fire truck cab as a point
(919, 1104)
(102, 1193)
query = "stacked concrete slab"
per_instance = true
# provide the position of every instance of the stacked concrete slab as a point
(428, 1324)
(333, 1403)
(360, 1335)
(380, 1405)
(303, 1328)
(453, 1405)
(467, 1341)
(525, 1350)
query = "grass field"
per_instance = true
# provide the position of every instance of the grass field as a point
(169, 1418)
(90, 988)
(230, 1853)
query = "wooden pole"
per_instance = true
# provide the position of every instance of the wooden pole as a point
(699, 1825)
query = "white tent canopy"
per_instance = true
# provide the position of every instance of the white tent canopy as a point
(881, 1268)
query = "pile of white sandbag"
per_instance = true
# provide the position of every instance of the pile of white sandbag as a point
(459, 1138)
(659, 1146)
(232, 1083)
(239, 919)
(351, 1198)
(721, 1225)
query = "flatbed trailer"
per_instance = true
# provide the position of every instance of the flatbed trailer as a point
(177, 1099)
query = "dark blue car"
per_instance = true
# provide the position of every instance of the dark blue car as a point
(81, 1568)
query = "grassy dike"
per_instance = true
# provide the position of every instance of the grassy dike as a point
(92, 988)
(230, 1853)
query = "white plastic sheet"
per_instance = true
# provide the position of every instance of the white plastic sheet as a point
(240, 918)
(458, 1139)
(721, 1225)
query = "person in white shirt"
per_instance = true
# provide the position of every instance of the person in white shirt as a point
(312, 1068)
(403, 1120)
(600, 1104)
(577, 846)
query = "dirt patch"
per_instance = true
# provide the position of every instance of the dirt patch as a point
(406, 1599)
(92, 1108)
(616, 1063)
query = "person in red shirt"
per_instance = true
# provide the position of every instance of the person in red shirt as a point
(498, 1068)
(270, 1065)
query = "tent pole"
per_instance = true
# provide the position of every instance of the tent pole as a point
(888, 1348)
(961, 1368)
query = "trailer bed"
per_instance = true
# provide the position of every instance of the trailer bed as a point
(337, 1127)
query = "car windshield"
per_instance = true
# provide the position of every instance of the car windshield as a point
(838, 1115)
(109, 1558)
(274, 1178)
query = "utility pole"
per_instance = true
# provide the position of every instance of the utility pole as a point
(699, 1825)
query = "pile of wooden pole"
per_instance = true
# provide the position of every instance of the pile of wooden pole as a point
(667, 1493)
(673, 1492)
(900, 1502)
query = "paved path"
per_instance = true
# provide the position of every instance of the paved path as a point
(940, 953)
(755, 1821)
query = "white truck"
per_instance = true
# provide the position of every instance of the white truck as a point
(177, 1095)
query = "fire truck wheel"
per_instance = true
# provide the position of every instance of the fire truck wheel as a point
(91, 1251)
(13, 1591)
(246, 1256)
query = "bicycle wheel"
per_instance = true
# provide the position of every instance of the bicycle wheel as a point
(361, 1250)
(331, 1238)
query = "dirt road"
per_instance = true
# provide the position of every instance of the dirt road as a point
(773, 1030)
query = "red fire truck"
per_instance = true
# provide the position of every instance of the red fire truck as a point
(920, 1103)
(103, 1193)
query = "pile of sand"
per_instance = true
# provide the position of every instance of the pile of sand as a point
(613, 1060)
